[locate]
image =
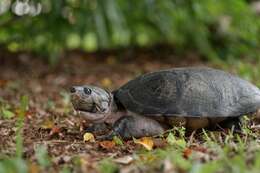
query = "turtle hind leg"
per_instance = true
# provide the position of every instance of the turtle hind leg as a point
(231, 123)
(134, 126)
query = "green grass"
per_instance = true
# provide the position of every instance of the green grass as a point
(234, 153)
(17, 163)
(107, 166)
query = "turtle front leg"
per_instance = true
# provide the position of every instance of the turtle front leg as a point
(133, 126)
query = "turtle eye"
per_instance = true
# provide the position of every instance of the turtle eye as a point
(87, 91)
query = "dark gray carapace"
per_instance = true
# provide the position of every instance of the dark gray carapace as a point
(189, 92)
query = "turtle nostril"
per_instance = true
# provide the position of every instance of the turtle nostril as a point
(72, 90)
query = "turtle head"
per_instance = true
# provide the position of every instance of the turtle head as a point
(91, 99)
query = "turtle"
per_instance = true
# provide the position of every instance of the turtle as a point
(192, 97)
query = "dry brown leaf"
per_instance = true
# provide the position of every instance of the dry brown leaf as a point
(55, 130)
(88, 137)
(47, 124)
(107, 144)
(34, 168)
(111, 60)
(186, 153)
(3, 82)
(106, 82)
(19, 112)
(146, 142)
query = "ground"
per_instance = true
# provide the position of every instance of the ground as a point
(52, 133)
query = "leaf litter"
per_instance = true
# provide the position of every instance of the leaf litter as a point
(51, 121)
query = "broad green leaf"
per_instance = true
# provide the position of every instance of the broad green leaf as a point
(7, 114)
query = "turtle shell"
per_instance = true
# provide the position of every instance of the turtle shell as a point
(189, 92)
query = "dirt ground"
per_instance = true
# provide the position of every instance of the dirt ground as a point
(50, 119)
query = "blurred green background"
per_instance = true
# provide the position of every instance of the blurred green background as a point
(211, 28)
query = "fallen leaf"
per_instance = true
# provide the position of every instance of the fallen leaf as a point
(107, 144)
(88, 137)
(3, 83)
(187, 152)
(106, 82)
(111, 60)
(146, 142)
(34, 168)
(47, 124)
(55, 130)
(124, 160)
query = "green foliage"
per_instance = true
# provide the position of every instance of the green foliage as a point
(5, 110)
(107, 166)
(7, 114)
(247, 69)
(232, 157)
(11, 165)
(42, 156)
(177, 142)
(17, 164)
(24, 103)
(205, 168)
(65, 169)
(213, 28)
(118, 141)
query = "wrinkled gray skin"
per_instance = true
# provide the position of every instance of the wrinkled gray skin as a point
(95, 104)
(146, 106)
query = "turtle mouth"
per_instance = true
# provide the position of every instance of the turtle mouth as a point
(92, 109)
(93, 117)
(80, 105)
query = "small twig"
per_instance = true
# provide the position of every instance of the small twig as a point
(56, 141)
(191, 137)
(257, 127)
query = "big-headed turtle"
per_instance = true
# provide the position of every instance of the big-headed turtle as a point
(194, 97)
